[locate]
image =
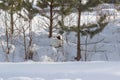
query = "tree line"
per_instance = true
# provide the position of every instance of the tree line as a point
(51, 9)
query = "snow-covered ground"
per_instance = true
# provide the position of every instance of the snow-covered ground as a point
(60, 71)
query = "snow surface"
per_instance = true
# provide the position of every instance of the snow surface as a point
(60, 71)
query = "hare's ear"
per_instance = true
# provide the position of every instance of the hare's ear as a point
(58, 37)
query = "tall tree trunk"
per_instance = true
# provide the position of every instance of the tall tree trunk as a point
(6, 31)
(11, 24)
(25, 44)
(7, 38)
(62, 17)
(78, 34)
(30, 32)
(30, 56)
(51, 19)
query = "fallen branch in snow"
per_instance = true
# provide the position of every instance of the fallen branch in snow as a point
(93, 50)
(91, 42)
(94, 42)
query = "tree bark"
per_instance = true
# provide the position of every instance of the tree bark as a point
(30, 56)
(78, 34)
(12, 28)
(30, 32)
(51, 19)
(25, 44)
(11, 24)
(11, 21)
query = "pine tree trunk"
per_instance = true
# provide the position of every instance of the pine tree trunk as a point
(11, 21)
(30, 56)
(51, 19)
(7, 38)
(78, 34)
(30, 32)
(25, 44)
(11, 25)
(6, 32)
(62, 17)
(12, 28)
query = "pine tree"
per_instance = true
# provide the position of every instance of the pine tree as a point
(50, 6)
(65, 10)
(11, 6)
(80, 7)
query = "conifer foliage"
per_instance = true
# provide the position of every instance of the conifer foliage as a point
(11, 6)
(49, 6)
